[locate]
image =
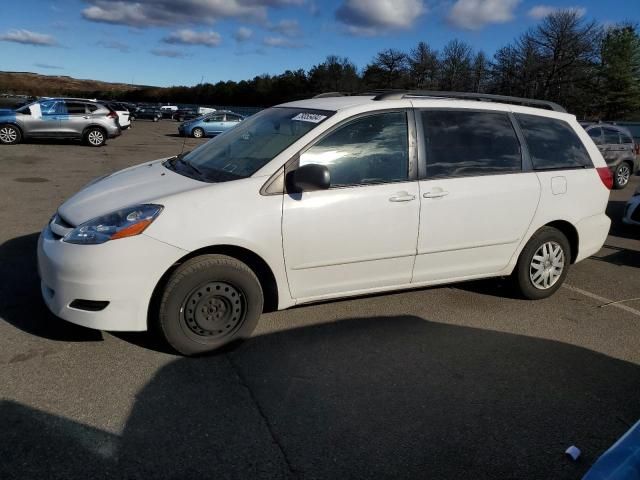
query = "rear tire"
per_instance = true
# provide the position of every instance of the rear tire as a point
(10, 134)
(543, 264)
(95, 137)
(208, 302)
(197, 132)
(621, 176)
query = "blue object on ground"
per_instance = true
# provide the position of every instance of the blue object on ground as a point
(621, 461)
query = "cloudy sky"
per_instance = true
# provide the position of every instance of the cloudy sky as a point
(181, 42)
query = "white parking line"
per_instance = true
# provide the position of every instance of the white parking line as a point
(602, 300)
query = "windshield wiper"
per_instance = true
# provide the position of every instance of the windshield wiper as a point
(180, 158)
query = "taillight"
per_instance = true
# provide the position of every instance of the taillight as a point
(605, 176)
(112, 114)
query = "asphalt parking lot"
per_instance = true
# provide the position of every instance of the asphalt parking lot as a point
(462, 381)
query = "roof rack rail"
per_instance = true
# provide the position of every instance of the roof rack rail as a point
(331, 94)
(483, 97)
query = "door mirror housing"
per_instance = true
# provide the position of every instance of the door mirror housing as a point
(309, 178)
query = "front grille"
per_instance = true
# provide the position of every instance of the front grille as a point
(62, 222)
(59, 227)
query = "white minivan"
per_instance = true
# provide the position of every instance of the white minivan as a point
(324, 198)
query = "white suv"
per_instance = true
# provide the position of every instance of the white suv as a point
(325, 198)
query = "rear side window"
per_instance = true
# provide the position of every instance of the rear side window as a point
(368, 150)
(552, 143)
(465, 143)
(92, 108)
(75, 108)
(611, 136)
(596, 135)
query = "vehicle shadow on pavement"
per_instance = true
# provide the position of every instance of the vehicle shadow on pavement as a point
(21, 304)
(618, 256)
(382, 397)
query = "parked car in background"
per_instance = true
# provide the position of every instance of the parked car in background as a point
(326, 198)
(147, 113)
(123, 114)
(210, 125)
(168, 110)
(632, 210)
(618, 149)
(186, 113)
(92, 122)
(634, 129)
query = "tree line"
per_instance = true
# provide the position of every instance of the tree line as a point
(591, 69)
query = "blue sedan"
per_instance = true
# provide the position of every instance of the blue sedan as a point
(210, 125)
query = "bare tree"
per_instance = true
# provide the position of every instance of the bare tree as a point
(456, 68)
(480, 72)
(423, 66)
(388, 69)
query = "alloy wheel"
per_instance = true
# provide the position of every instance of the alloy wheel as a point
(8, 134)
(96, 137)
(623, 175)
(547, 265)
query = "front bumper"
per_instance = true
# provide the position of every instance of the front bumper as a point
(122, 272)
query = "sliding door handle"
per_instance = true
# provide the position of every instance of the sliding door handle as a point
(436, 194)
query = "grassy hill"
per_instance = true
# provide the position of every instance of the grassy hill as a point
(27, 83)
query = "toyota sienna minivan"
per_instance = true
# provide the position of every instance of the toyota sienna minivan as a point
(323, 198)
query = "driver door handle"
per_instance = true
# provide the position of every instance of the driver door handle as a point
(402, 197)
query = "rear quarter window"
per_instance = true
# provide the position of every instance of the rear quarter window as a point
(552, 143)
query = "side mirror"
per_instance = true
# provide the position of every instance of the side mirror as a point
(309, 178)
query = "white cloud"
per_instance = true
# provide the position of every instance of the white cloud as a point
(289, 28)
(144, 13)
(48, 66)
(162, 52)
(114, 45)
(540, 11)
(189, 37)
(475, 14)
(280, 42)
(243, 34)
(28, 37)
(373, 17)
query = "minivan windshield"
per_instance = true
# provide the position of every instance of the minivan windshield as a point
(254, 142)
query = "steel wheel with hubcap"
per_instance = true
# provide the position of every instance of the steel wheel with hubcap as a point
(546, 265)
(198, 133)
(9, 134)
(207, 302)
(95, 137)
(622, 175)
(543, 264)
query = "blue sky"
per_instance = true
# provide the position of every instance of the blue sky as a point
(181, 42)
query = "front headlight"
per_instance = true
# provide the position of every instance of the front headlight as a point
(123, 223)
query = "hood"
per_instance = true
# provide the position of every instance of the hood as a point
(144, 183)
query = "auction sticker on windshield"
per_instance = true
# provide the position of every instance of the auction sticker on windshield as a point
(309, 117)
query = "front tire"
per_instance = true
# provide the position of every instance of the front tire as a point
(543, 264)
(197, 132)
(95, 137)
(208, 302)
(10, 134)
(621, 176)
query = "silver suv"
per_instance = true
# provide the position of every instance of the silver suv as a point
(85, 120)
(616, 146)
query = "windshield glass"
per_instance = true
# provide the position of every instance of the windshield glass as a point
(254, 142)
